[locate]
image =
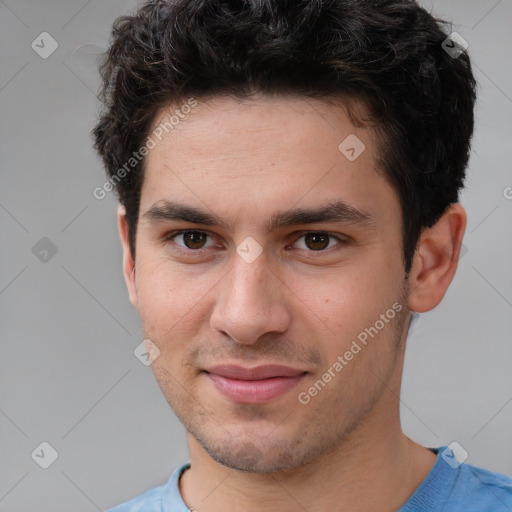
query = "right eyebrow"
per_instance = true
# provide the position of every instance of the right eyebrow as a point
(170, 211)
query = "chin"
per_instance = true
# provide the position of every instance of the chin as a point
(250, 459)
(264, 455)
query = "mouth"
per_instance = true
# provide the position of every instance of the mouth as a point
(256, 385)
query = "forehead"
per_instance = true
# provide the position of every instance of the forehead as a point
(259, 115)
(263, 154)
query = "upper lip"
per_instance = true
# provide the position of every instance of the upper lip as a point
(268, 371)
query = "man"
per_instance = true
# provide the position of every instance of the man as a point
(288, 176)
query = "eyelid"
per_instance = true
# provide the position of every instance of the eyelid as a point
(324, 232)
(338, 236)
(169, 237)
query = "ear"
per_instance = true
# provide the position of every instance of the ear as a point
(435, 259)
(128, 260)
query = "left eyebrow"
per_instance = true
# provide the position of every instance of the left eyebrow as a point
(337, 212)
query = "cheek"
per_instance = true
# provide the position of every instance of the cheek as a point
(350, 304)
(348, 299)
(360, 350)
(171, 298)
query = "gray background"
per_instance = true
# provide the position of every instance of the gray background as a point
(68, 375)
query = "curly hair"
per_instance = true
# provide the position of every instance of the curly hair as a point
(387, 53)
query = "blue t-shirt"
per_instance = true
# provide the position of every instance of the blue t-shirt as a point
(449, 487)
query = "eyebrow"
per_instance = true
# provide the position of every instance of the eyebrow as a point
(336, 212)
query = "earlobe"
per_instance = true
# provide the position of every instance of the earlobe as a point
(436, 259)
(128, 260)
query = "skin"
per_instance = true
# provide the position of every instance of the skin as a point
(245, 161)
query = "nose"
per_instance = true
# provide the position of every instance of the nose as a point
(251, 302)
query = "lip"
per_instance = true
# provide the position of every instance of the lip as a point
(255, 385)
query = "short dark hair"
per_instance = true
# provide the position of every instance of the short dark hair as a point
(388, 53)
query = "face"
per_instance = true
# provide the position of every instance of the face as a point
(269, 275)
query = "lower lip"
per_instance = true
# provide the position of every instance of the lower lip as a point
(253, 391)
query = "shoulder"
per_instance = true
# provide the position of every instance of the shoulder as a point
(149, 501)
(482, 489)
(158, 499)
(454, 486)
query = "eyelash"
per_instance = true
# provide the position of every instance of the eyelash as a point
(169, 237)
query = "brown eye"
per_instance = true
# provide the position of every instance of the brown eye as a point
(194, 239)
(191, 239)
(317, 241)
